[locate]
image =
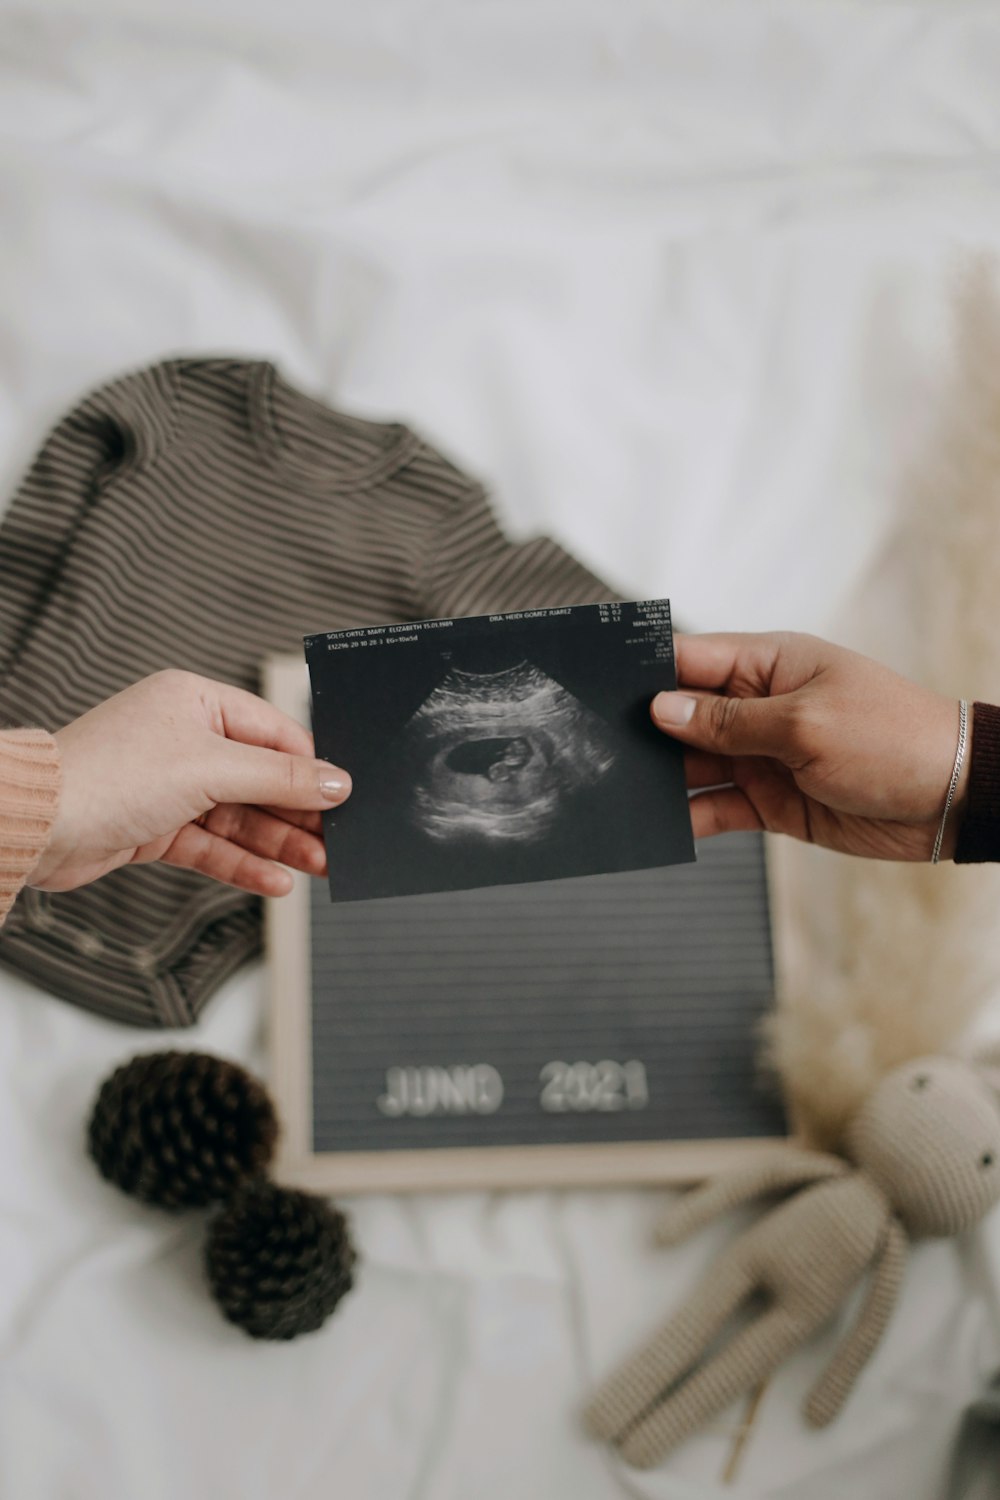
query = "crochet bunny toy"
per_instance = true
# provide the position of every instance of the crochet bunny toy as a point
(923, 1158)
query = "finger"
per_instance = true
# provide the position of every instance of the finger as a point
(728, 726)
(271, 837)
(712, 661)
(196, 848)
(253, 721)
(703, 770)
(724, 811)
(312, 822)
(270, 778)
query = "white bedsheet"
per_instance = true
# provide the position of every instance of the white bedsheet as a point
(674, 279)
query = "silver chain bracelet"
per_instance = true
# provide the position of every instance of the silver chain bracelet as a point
(963, 735)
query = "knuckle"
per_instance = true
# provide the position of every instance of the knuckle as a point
(804, 730)
(172, 679)
(724, 720)
(227, 820)
(714, 820)
(293, 775)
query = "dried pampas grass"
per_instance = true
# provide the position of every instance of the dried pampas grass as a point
(882, 962)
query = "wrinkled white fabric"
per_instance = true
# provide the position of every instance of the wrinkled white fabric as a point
(673, 278)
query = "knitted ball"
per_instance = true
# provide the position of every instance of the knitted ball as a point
(278, 1260)
(181, 1129)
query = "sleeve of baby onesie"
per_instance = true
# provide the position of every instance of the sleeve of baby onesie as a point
(472, 568)
(29, 795)
(107, 432)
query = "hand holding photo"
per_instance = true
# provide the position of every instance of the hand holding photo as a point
(499, 749)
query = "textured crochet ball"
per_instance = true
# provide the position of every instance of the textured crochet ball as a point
(181, 1129)
(278, 1260)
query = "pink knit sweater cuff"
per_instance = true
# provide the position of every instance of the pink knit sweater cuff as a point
(29, 795)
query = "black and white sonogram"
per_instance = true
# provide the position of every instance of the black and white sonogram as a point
(499, 749)
(496, 755)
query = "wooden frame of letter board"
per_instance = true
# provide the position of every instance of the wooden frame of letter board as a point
(521, 1166)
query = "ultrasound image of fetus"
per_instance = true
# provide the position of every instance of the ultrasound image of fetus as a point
(498, 753)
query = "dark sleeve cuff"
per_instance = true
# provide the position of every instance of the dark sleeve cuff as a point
(979, 835)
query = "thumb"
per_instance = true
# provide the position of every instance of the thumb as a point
(726, 726)
(272, 778)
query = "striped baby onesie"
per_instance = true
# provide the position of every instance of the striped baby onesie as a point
(200, 514)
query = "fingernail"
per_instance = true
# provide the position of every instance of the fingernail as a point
(673, 708)
(334, 784)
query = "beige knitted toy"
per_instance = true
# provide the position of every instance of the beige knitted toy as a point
(924, 1159)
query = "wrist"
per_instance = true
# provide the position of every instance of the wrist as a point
(958, 802)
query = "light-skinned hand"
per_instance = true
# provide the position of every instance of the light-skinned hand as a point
(189, 771)
(794, 735)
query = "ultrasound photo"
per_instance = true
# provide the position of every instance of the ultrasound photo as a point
(499, 749)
